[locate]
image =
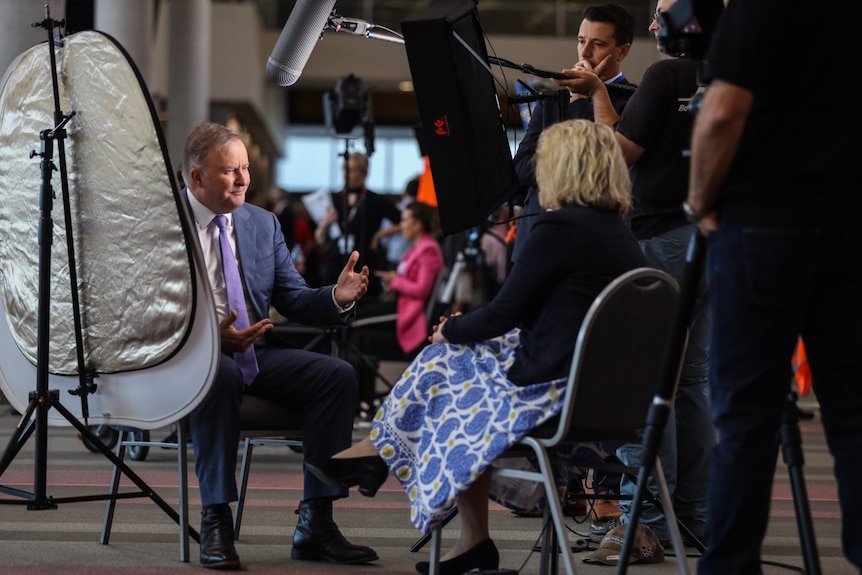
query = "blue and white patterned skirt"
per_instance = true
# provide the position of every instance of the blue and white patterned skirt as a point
(451, 414)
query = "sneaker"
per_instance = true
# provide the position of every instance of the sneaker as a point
(599, 529)
(606, 509)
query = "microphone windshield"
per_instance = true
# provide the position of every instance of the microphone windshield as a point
(296, 41)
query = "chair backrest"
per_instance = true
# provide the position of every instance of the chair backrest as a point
(618, 358)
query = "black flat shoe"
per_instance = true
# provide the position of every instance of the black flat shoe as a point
(483, 557)
(369, 473)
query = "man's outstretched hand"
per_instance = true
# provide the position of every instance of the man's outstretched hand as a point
(351, 284)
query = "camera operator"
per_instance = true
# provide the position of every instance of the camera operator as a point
(777, 193)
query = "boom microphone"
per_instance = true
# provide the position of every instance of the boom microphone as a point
(293, 48)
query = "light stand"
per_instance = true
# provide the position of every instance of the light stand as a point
(347, 107)
(791, 449)
(35, 417)
(344, 218)
(468, 259)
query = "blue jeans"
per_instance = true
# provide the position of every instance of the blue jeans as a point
(684, 453)
(767, 285)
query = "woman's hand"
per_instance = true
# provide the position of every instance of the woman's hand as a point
(386, 278)
(437, 331)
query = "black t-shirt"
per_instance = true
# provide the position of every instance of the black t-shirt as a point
(657, 119)
(799, 150)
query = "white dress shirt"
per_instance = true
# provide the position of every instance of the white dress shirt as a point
(208, 234)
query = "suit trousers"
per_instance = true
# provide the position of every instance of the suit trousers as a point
(321, 388)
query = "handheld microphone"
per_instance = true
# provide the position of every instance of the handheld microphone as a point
(303, 28)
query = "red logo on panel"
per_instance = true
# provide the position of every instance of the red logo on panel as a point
(441, 126)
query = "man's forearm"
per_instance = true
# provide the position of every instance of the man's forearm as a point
(603, 109)
(715, 140)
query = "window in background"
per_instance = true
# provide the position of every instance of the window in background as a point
(313, 159)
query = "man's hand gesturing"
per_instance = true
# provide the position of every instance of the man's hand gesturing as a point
(233, 340)
(351, 284)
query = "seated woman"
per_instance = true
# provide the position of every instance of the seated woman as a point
(411, 285)
(414, 278)
(494, 374)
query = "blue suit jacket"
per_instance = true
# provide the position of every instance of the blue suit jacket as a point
(268, 272)
(270, 278)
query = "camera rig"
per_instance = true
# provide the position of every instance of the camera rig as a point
(687, 27)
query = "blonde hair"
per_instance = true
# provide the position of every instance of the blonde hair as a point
(579, 162)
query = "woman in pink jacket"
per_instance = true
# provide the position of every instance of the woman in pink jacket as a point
(414, 279)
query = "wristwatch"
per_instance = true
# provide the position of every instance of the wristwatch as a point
(691, 215)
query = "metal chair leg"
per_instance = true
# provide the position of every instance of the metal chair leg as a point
(183, 487)
(436, 532)
(243, 485)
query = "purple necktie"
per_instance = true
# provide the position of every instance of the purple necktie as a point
(247, 360)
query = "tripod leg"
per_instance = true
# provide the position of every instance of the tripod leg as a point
(353, 351)
(126, 470)
(791, 449)
(670, 518)
(23, 431)
(111, 505)
(28, 425)
(657, 503)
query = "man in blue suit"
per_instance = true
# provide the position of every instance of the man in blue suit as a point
(323, 388)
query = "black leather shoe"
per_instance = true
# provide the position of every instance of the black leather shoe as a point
(317, 537)
(483, 557)
(369, 473)
(217, 550)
